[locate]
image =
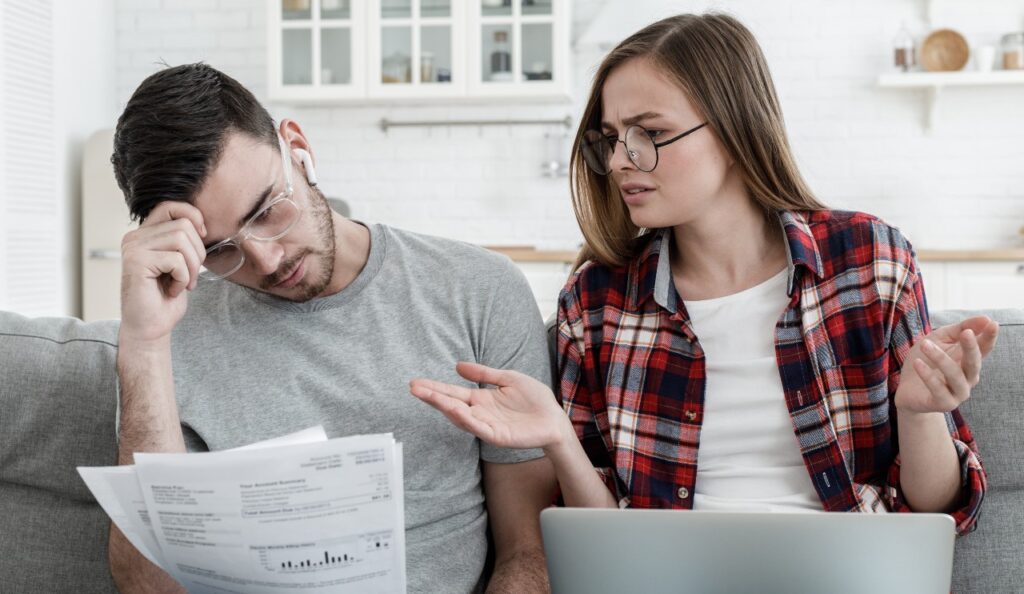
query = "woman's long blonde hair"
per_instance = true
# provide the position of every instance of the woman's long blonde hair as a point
(719, 65)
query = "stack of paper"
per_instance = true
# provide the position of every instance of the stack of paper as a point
(296, 513)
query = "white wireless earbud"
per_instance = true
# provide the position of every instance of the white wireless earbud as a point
(307, 164)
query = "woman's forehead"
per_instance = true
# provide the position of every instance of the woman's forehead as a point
(638, 87)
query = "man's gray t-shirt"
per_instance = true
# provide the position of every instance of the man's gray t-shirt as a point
(249, 366)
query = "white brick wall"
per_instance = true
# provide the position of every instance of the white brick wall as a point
(860, 147)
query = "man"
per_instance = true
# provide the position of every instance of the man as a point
(297, 316)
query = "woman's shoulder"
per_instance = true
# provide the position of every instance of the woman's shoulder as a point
(854, 238)
(595, 282)
(829, 223)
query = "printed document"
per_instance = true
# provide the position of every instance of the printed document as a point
(296, 514)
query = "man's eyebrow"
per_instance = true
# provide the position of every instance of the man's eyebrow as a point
(252, 211)
(647, 115)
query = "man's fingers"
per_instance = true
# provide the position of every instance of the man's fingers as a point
(173, 237)
(181, 241)
(172, 264)
(482, 374)
(170, 210)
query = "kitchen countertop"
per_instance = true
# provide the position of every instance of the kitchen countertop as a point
(526, 253)
(987, 255)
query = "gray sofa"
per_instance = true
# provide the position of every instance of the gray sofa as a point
(57, 406)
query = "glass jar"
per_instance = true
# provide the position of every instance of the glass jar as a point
(1013, 51)
(903, 50)
(426, 67)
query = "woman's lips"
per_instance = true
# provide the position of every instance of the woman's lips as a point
(636, 197)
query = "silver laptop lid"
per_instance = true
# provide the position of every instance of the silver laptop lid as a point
(596, 551)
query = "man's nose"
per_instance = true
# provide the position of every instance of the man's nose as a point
(264, 256)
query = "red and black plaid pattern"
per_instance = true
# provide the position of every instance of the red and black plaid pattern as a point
(633, 373)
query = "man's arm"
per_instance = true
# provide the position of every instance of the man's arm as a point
(149, 423)
(516, 494)
(159, 261)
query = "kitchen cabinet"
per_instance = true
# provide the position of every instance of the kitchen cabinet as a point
(338, 51)
(546, 271)
(546, 280)
(951, 284)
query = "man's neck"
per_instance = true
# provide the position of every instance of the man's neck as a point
(351, 252)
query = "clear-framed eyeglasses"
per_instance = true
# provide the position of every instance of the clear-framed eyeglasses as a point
(598, 148)
(271, 222)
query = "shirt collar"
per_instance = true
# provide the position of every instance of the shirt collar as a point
(652, 273)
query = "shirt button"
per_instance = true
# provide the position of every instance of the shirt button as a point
(691, 415)
(683, 492)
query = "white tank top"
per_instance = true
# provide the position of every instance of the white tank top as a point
(748, 458)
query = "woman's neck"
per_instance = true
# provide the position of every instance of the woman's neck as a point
(726, 250)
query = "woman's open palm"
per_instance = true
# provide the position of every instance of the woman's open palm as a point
(518, 412)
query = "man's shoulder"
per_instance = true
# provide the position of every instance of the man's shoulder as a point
(447, 256)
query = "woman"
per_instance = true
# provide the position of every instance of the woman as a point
(718, 303)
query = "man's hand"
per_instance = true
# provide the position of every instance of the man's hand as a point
(942, 367)
(159, 261)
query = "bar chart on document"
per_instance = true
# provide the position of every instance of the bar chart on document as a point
(344, 553)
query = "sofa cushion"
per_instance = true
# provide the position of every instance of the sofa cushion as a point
(58, 399)
(990, 558)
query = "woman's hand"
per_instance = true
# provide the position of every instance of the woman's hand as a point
(519, 412)
(942, 367)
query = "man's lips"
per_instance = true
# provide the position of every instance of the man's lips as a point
(293, 277)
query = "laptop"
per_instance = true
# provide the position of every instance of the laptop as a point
(597, 551)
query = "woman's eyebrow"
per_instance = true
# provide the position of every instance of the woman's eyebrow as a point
(647, 115)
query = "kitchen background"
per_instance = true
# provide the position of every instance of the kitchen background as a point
(945, 164)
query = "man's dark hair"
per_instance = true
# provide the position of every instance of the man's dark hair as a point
(174, 129)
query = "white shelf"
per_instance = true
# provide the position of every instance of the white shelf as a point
(918, 80)
(935, 82)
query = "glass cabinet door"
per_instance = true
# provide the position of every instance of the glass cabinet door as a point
(377, 49)
(415, 43)
(315, 45)
(517, 41)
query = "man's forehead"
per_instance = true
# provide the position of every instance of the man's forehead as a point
(243, 175)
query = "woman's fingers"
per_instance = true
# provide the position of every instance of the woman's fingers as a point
(420, 386)
(932, 378)
(954, 382)
(482, 374)
(987, 337)
(971, 362)
(457, 411)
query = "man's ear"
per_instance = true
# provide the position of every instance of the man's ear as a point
(293, 136)
(298, 146)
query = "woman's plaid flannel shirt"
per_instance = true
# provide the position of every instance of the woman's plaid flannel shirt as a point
(632, 372)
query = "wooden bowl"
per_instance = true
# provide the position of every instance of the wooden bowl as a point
(944, 50)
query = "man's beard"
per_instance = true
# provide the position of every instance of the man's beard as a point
(315, 281)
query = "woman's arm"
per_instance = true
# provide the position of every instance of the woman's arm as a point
(932, 376)
(519, 412)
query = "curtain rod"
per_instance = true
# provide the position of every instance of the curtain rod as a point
(386, 123)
